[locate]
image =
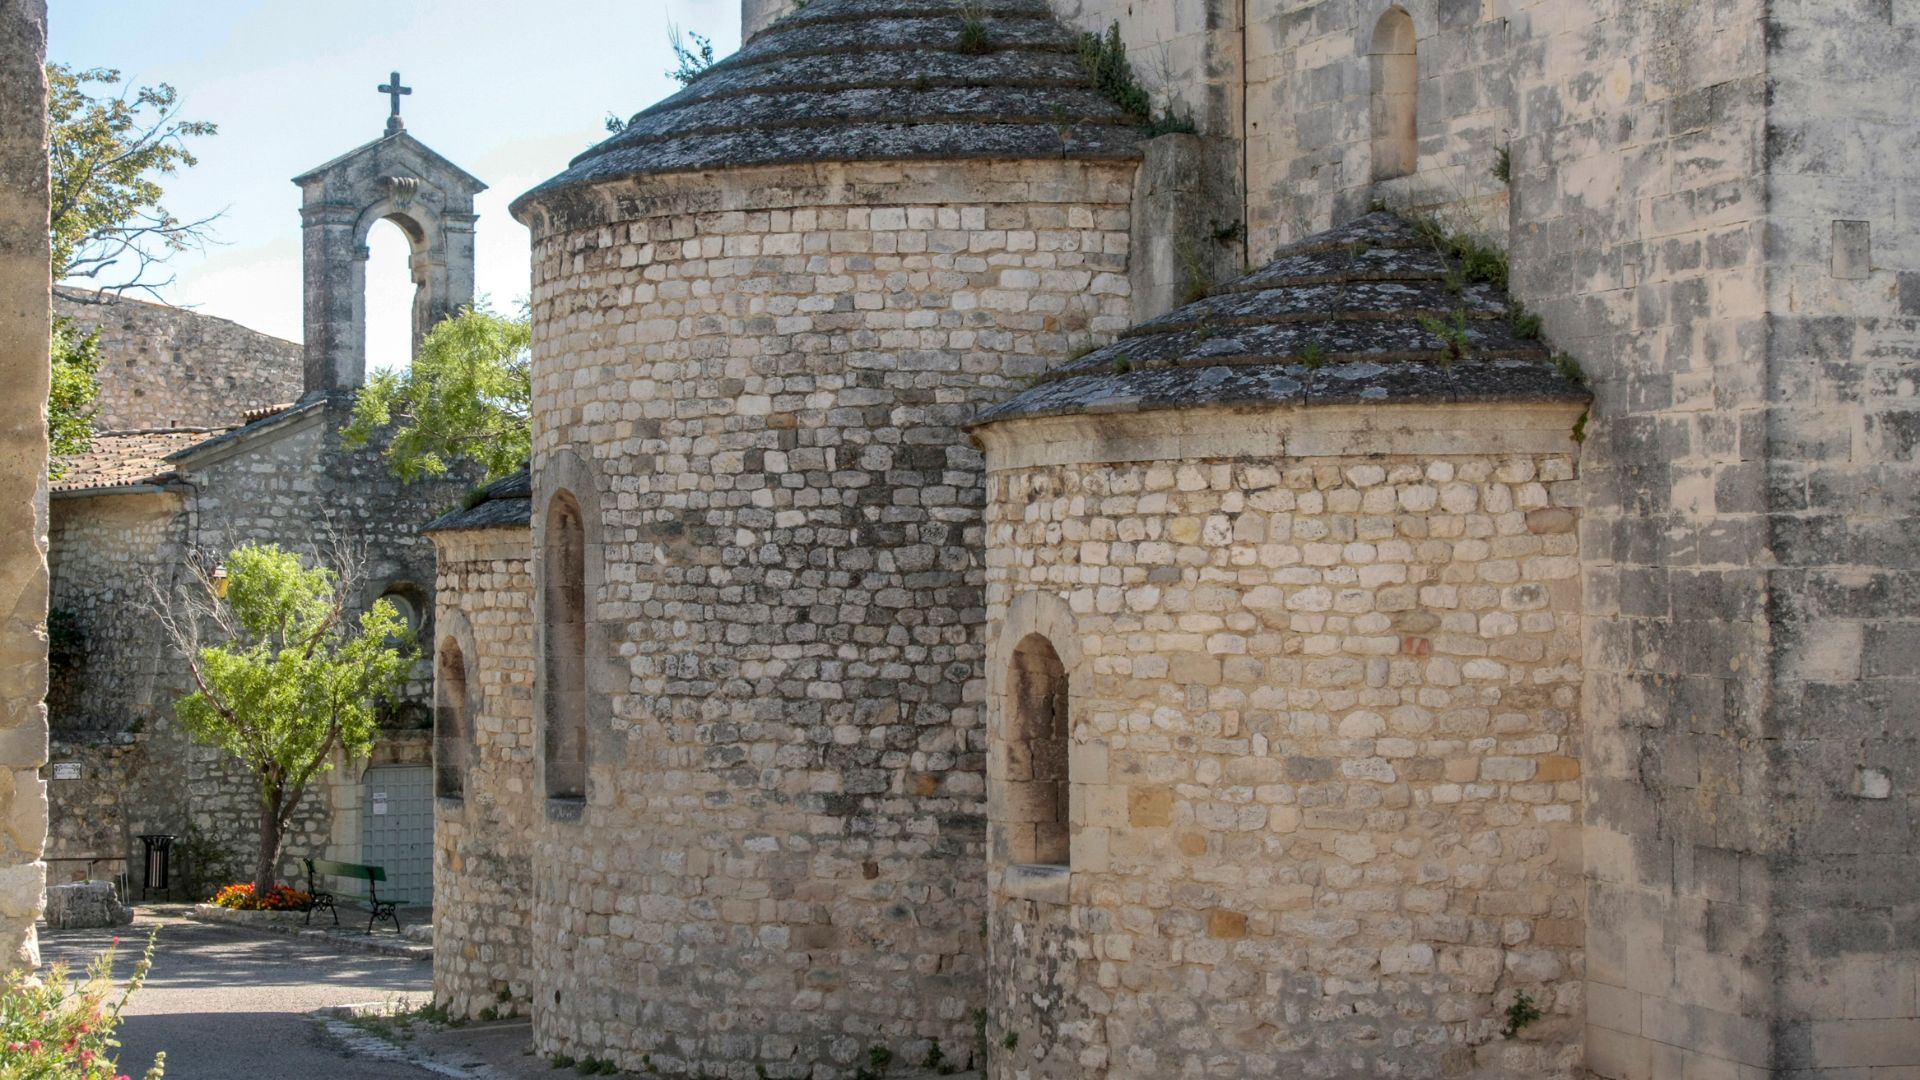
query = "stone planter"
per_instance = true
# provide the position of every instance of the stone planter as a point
(259, 919)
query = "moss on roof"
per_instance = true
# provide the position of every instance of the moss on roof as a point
(874, 80)
(1346, 316)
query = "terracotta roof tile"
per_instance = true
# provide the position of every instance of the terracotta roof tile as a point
(119, 458)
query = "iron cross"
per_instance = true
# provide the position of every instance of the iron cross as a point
(394, 91)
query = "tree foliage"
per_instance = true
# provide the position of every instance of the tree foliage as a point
(70, 409)
(107, 155)
(467, 397)
(289, 676)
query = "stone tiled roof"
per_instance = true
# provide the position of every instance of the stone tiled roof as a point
(1334, 319)
(507, 503)
(120, 458)
(874, 80)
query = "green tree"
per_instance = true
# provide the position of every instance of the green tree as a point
(467, 397)
(76, 369)
(106, 157)
(289, 676)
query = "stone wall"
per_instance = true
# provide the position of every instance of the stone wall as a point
(104, 554)
(23, 475)
(168, 367)
(752, 384)
(1309, 135)
(1324, 732)
(1186, 52)
(1843, 489)
(483, 857)
(297, 486)
(1638, 223)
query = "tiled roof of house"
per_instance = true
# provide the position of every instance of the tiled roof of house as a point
(120, 458)
(1352, 315)
(875, 80)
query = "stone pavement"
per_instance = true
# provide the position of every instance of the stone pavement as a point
(233, 1003)
(230, 1004)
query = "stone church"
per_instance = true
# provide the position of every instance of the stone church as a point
(212, 435)
(997, 587)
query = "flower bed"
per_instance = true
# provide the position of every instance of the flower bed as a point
(239, 897)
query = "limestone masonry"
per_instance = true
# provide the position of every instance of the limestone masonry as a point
(1004, 590)
(23, 479)
(1397, 560)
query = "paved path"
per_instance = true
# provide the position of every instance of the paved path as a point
(230, 1004)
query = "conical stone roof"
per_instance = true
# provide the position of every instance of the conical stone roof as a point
(1343, 317)
(875, 80)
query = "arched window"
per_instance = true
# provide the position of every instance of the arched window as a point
(1039, 829)
(452, 725)
(564, 591)
(1396, 95)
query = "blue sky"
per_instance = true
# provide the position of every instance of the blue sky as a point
(507, 89)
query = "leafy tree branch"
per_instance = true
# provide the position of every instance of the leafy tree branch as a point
(468, 396)
(107, 155)
(284, 673)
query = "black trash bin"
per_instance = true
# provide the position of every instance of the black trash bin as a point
(154, 873)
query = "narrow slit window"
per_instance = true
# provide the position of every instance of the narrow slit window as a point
(1039, 827)
(451, 724)
(565, 596)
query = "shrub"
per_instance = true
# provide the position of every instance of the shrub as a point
(1104, 59)
(55, 1030)
(239, 896)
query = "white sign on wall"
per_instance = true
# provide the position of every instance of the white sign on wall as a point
(66, 770)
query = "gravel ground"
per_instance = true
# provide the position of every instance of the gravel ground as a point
(230, 1004)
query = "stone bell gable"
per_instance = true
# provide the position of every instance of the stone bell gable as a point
(400, 179)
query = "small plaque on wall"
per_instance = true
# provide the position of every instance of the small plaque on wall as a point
(66, 770)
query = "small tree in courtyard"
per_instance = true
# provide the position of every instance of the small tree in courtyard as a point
(284, 673)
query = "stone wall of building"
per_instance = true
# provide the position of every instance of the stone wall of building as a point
(483, 857)
(1843, 489)
(105, 553)
(23, 475)
(168, 367)
(1186, 52)
(1323, 742)
(299, 487)
(1635, 216)
(1309, 120)
(752, 384)
(1638, 224)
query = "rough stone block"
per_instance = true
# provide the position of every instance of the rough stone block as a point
(85, 905)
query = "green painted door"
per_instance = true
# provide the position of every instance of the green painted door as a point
(396, 829)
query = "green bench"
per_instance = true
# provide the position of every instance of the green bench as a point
(377, 908)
